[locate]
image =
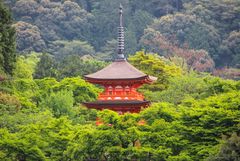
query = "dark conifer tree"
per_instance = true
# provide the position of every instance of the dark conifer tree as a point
(7, 41)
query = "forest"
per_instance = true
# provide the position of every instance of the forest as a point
(191, 46)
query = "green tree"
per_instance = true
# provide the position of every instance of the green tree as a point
(154, 65)
(160, 111)
(46, 67)
(73, 66)
(223, 15)
(207, 120)
(188, 30)
(229, 149)
(131, 43)
(230, 50)
(29, 38)
(140, 20)
(16, 148)
(106, 21)
(27, 92)
(25, 66)
(189, 86)
(108, 51)
(75, 47)
(7, 41)
(40, 137)
(61, 103)
(188, 59)
(43, 22)
(82, 91)
(9, 104)
(158, 8)
(109, 117)
(46, 85)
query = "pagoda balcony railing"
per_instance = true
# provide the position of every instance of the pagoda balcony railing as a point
(135, 96)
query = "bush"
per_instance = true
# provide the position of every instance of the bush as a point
(61, 103)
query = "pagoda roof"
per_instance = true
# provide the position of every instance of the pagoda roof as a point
(119, 70)
(119, 105)
(114, 102)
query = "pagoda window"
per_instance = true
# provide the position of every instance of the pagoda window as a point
(119, 90)
(127, 90)
(110, 90)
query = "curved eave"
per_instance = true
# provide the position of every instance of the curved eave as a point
(151, 79)
(92, 79)
(142, 80)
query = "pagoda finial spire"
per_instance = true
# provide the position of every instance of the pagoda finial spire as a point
(120, 55)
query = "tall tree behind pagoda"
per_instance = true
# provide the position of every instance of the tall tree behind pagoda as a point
(7, 41)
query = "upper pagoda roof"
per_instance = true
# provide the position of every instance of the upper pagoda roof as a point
(118, 70)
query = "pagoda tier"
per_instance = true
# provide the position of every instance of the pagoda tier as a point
(119, 72)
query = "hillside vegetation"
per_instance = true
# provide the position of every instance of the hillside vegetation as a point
(90, 27)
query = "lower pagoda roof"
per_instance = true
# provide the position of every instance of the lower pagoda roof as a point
(98, 102)
(119, 70)
(119, 105)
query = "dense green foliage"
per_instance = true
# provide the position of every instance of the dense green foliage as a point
(88, 27)
(42, 119)
(194, 116)
(188, 30)
(69, 66)
(156, 66)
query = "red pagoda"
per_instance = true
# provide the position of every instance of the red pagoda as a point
(120, 81)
